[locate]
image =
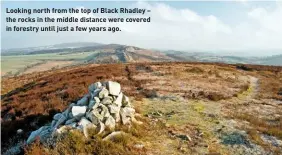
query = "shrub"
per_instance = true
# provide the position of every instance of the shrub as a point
(196, 70)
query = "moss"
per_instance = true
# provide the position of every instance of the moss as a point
(199, 107)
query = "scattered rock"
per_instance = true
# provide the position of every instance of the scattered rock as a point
(86, 125)
(103, 93)
(70, 121)
(72, 125)
(83, 101)
(100, 128)
(20, 131)
(136, 121)
(53, 123)
(185, 137)
(119, 100)
(116, 117)
(62, 129)
(114, 109)
(113, 87)
(60, 121)
(138, 146)
(78, 111)
(107, 100)
(94, 86)
(84, 122)
(70, 115)
(110, 123)
(113, 135)
(37, 133)
(94, 103)
(126, 113)
(125, 101)
(57, 116)
(94, 116)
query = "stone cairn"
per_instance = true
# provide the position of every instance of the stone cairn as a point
(102, 108)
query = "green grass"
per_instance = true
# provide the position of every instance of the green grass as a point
(16, 62)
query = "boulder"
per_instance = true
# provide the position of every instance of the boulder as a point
(60, 121)
(57, 116)
(119, 100)
(78, 111)
(19, 131)
(61, 130)
(105, 112)
(126, 113)
(94, 103)
(110, 123)
(85, 125)
(72, 125)
(100, 128)
(36, 133)
(116, 117)
(72, 120)
(83, 122)
(70, 115)
(114, 109)
(138, 146)
(113, 135)
(94, 117)
(45, 134)
(83, 101)
(136, 121)
(94, 86)
(53, 123)
(113, 87)
(103, 93)
(125, 101)
(107, 100)
(98, 114)
(87, 128)
(67, 111)
(95, 93)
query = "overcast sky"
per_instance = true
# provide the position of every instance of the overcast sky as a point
(210, 26)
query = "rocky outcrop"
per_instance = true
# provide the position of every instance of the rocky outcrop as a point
(101, 109)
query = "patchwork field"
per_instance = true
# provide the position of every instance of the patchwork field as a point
(17, 64)
(48, 66)
(187, 108)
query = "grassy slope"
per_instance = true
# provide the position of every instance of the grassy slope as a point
(15, 63)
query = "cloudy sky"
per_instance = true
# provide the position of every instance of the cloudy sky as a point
(252, 27)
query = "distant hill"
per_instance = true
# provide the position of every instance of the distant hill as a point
(275, 60)
(114, 53)
(57, 48)
(122, 53)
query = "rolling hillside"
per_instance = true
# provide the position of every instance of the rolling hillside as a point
(187, 108)
(21, 61)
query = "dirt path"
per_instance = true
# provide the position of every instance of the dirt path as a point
(206, 123)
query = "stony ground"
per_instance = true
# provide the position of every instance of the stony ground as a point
(191, 108)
